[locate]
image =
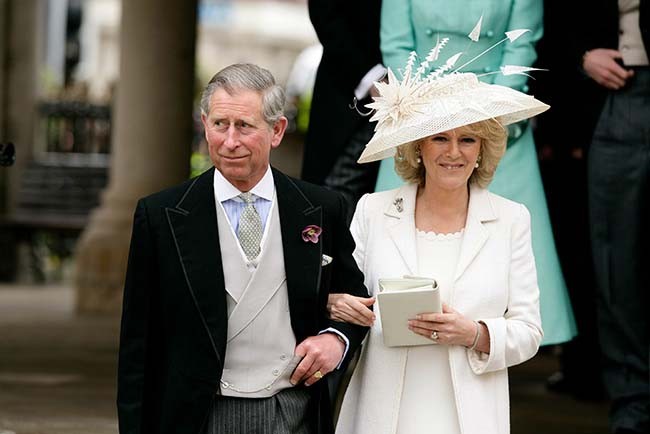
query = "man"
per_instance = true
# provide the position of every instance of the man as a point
(227, 284)
(351, 61)
(614, 50)
(564, 174)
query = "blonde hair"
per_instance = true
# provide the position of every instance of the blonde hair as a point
(493, 145)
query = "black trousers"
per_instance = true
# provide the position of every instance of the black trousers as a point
(618, 185)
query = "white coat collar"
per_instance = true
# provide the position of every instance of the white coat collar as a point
(400, 214)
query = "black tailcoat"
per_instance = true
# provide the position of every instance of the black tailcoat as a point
(174, 320)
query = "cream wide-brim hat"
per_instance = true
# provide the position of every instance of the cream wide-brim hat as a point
(454, 101)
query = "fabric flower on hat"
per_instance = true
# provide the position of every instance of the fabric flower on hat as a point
(397, 100)
(400, 100)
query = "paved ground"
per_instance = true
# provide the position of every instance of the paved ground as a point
(57, 373)
(57, 369)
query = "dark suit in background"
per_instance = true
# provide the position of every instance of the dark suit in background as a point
(619, 188)
(563, 166)
(337, 134)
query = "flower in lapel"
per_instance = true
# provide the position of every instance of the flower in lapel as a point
(311, 234)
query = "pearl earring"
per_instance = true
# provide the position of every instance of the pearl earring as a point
(418, 152)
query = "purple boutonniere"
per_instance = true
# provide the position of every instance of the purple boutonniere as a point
(311, 233)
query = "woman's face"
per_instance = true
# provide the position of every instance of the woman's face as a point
(449, 158)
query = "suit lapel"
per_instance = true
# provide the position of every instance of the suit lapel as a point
(302, 260)
(479, 211)
(400, 216)
(193, 224)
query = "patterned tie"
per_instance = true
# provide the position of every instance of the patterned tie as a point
(250, 228)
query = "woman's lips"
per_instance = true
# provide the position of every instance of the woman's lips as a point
(452, 166)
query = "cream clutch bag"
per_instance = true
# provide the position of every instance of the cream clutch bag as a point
(399, 300)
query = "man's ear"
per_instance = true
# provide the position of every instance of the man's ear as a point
(279, 128)
(204, 121)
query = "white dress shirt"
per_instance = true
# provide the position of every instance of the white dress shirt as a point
(227, 195)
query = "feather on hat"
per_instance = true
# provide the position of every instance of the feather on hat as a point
(420, 105)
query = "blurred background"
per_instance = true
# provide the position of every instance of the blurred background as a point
(100, 99)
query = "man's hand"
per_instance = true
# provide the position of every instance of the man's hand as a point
(320, 353)
(600, 64)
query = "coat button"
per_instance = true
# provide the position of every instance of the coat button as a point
(428, 32)
(489, 33)
(268, 387)
(524, 88)
(283, 357)
(276, 372)
(487, 69)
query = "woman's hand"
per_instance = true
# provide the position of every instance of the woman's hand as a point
(351, 309)
(451, 327)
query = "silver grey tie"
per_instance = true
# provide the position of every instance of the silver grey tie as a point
(250, 228)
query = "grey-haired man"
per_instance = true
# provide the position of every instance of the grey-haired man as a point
(224, 326)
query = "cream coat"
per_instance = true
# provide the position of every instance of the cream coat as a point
(495, 282)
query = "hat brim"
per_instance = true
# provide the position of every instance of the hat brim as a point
(485, 101)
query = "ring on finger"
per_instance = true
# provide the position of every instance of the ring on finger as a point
(318, 375)
(434, 335)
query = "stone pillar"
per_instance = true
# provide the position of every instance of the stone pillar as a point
(19, 46)
(152, 133)
(4, 23)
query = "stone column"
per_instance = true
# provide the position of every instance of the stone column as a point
(19, 47)
(4, 23)
(152, 134)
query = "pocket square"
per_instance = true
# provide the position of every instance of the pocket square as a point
(326, 260)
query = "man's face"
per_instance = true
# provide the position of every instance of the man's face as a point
(239, 139)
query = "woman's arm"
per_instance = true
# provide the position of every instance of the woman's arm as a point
(515, 337)
(346, 307)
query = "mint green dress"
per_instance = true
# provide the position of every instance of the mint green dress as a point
(414, 25)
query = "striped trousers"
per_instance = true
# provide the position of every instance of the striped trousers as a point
(283, 413)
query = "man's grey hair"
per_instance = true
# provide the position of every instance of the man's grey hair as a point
(246, 76)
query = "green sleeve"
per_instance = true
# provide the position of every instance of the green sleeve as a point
(525, 14)
(396, 33)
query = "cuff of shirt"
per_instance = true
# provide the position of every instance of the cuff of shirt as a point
(376, 73)
(342, 336)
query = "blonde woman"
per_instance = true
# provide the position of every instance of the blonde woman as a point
(447, 136)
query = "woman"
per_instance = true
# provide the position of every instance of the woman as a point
(414, 25)
(443, 223)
